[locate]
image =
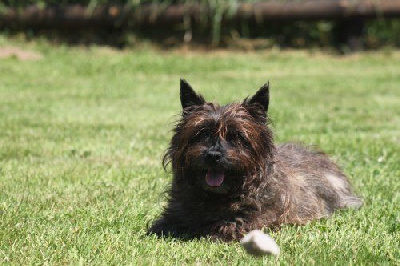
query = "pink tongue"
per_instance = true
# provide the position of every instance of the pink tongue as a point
(214, 179)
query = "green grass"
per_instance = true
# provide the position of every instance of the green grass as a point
(82, 134)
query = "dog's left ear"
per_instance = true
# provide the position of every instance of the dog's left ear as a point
(260, 99)
(189, 96)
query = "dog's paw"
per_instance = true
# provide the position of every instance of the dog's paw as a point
(167, 228)
(227, 231)
(160, 228)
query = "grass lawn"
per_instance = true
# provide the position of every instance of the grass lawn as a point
(82, 134)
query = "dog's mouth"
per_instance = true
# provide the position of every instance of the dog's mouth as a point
(214, 177)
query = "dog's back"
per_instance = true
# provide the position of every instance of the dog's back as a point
(317, 185)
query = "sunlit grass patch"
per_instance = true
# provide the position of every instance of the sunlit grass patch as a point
(82, 134)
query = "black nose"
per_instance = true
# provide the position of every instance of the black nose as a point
(213, 155)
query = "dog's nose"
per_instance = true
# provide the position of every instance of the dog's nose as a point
(214, 155)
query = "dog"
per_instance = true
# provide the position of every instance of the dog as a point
(230, 178)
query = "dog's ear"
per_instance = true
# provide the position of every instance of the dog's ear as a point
(189, 96)
(260, 99)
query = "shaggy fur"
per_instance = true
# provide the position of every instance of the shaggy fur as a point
(230, 178)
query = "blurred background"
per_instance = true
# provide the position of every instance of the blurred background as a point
(342, 25)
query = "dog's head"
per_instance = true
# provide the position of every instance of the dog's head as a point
(215, 149)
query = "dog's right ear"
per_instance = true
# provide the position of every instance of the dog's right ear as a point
(188, 96)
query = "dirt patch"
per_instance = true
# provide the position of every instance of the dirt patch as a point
(21, 54)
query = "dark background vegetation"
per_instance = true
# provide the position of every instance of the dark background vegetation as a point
(377, 33)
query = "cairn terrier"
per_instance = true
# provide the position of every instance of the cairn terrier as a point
(230, 178)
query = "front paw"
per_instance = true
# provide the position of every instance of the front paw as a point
(161, 228)
(229, 231)
(165, 228)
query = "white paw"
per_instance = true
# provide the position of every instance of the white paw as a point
(258, 243)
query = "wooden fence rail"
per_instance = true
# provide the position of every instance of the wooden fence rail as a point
(350, 15)
(77, 16)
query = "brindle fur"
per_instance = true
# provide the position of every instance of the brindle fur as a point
(265, 185)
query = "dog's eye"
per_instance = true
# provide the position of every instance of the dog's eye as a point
(199, 136)
(242, 138)
(230, 136)
(239, 138)
(236, 136)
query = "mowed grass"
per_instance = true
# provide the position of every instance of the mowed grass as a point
(83, 131)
